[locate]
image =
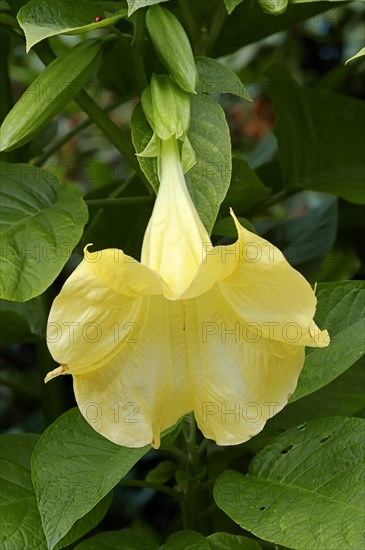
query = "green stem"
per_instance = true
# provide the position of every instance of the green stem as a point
(100, 118)
(121, 201)
(150, 485)
(137, 50)
(109, 129)
(57, 144)
(190, 506)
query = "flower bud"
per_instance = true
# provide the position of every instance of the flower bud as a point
(173, 47)
(167, 108)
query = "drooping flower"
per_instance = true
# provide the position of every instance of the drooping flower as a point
(220, 331)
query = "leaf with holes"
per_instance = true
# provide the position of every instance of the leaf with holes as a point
(42, 221)
(305, 490)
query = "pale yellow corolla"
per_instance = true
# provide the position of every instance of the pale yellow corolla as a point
(220, 331)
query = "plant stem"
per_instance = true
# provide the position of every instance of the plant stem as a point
(38, 161)
(100, 118)
(109, 129)
(150, 485)
(137, 50)
(121, 201)
(190, 506)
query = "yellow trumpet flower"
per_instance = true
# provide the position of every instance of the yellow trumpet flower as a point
(220, 331)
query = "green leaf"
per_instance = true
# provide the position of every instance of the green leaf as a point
(305, 490)
(245, 190)
(215, 78)
(226, 541)
(341, 310)
(73, 468)
(119, 540)
(134, 5)
(189, 540)
(209, 179)
(231, 4)
(20, 525)
(20, 522)
(49, 93)
(274, 7)
(317, 159)
(41, 19)
(141, 136)
(356, 56)
(22, 322)
(42, 221)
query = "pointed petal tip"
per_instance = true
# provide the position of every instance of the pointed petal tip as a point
(86, 248)
(62, 369)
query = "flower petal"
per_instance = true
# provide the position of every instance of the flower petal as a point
(268, 293)
(97, 310)
(174, 238)
(239, 378)
(143, 389)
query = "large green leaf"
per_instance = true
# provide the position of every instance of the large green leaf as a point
(41, 19)
(226, 541)
(305, 490)
(49, 93)
(134, 5)
(41, 223)
(73, 468)
(215, 78)
(20, 522)
(321, 138)
(20, 525)
(209, 179)
(341, 310)
(189, 540)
